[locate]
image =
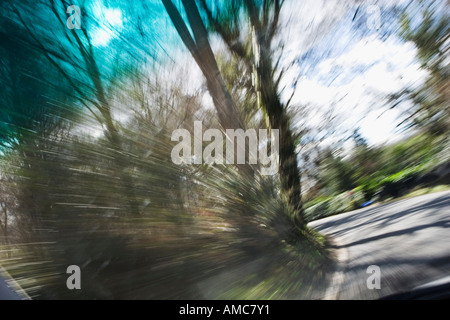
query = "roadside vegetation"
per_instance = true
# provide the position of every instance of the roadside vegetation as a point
(417, 165)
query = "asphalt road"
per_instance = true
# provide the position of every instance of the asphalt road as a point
(6, 288)
(409, 240)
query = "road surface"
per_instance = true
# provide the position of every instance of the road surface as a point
(409, 240)
(8, 289)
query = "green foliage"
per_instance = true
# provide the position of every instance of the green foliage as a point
(431, 39)
(317, 200)
(336, 174)
(402, 175)
(379, 173)
(340, 203)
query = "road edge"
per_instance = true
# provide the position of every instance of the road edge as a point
(13, 284)
(341, 258)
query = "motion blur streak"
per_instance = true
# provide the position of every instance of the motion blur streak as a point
(90, 98)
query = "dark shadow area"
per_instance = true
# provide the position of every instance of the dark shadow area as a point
(440, 224)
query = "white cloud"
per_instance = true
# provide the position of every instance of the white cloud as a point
(364, 76)
(309, 21)
(312, 92)
(110, 22)
(396, 56)
(380, 127)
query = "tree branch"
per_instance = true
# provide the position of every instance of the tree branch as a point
(274, 24)
(181, 28)
(229, 37)
(83, 97)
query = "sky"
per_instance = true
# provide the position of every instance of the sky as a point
(355, 59)
(362, 77)
(111, 23)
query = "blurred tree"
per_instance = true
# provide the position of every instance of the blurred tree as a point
(336, 173)
(79, 58)
(238, 79)
(360, 141)
(27, 81)
(8, 205)
(33, 113)
(253, 45)
(200, 49)
(431, 38)
(68, 187)
(364, 159)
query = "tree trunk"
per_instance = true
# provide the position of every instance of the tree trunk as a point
(278, 118)
(201, 51)
(264, 31)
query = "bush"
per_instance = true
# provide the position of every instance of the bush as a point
(343, 202)
(393, 185)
